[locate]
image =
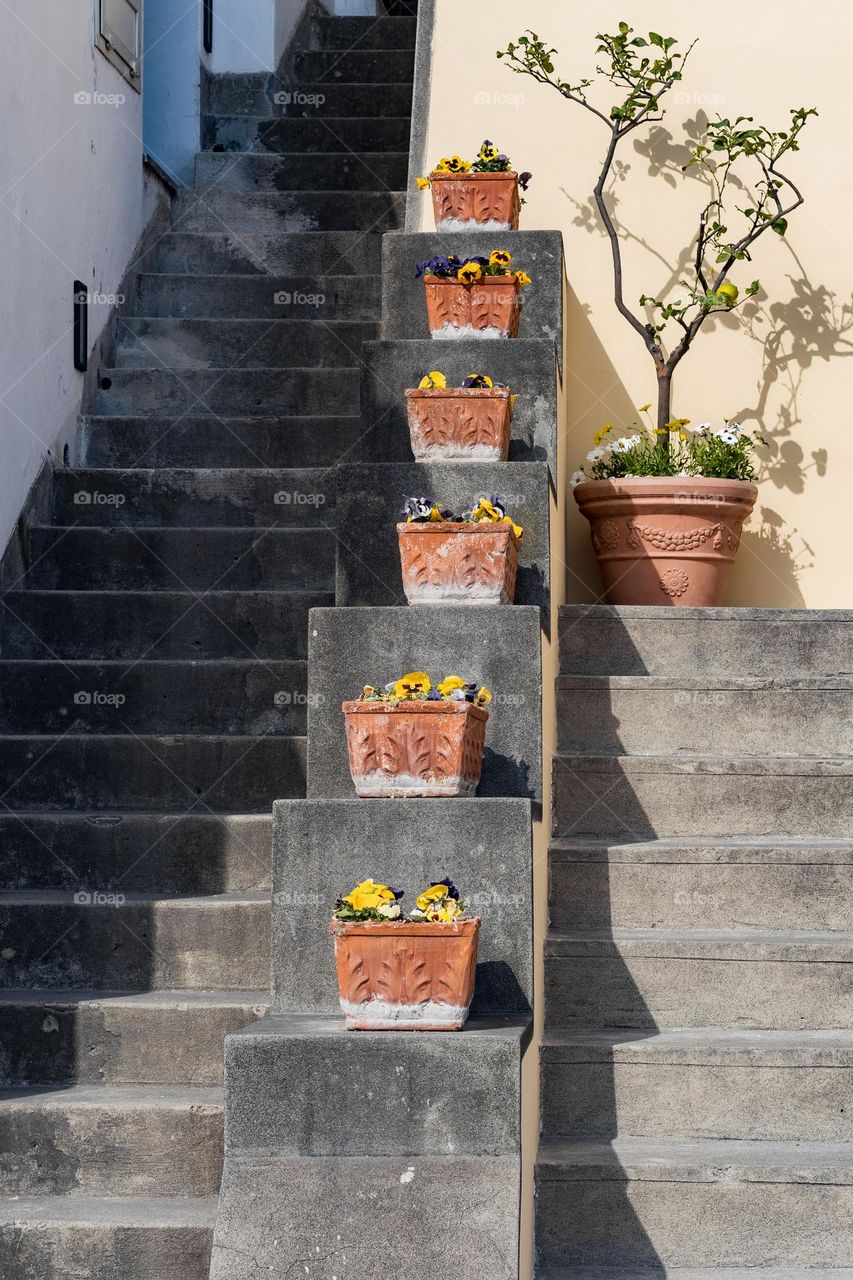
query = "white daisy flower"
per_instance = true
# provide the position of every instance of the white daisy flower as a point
(577, 477)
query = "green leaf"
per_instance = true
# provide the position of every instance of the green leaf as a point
(780, 226)
(654, 38)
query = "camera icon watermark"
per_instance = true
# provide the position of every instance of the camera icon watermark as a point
(98, 898)
(84, 99)
(296, 498)
(92, 498)
(293, 98)
(497, 98)
(285, 299)
(95, 698)
(298, 698)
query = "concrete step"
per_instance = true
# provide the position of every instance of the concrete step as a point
(302, 171)
(706, 715)
(164, 625)
(172, 853)
(715, 884)
(363, 33)
(106, 1140)
(84, 772)
(294, 345)
(87, 559)
(121, 1038)
(745, 978)
(128, 442)
(647, 640)
(221, 253)
(250, 696)
(682, 1203)
(321, 134)
(320, 297)
(230, 392)
(656, 1272)
(258, 94)
(638, 797)
(773, 1086)
(370, 68)
(133, 1237)
(58, 940)
(256, 497)
(239, 213)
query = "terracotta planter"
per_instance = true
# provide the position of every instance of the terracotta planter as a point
(415, 748)
(475, 201)
(491, 308)
(473, 562)
(406, 977)
(460, 424)
(669, 540)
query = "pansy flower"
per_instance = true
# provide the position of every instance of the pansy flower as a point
(524, 179)
(432, 381)
(416, 684)
(500, 258)
(477, 381)
(470, 273)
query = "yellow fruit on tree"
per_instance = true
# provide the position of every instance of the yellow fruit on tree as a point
(730, 292)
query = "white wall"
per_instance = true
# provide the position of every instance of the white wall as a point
(73, 203)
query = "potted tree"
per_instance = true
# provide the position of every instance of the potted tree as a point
(471, 423)
(467, 559)
(413, 738)
(397, 974)
(473, 297)
(665, 530)
(482, 195)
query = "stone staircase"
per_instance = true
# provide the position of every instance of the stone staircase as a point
(698, 1052)
(153, 663)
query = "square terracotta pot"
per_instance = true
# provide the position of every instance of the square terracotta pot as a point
(460, 424)
(415, 748)
(402, 976)
(490, 308)
(465, 562)
(475, 201)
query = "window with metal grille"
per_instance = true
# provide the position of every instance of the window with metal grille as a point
(119, 37)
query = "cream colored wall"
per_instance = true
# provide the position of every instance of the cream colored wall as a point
(792, 375)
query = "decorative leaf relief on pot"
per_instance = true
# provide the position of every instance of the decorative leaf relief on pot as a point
(682, 539)
(492, 308)
(444, 422)
(605, 535)
(674, 582)
(358, 983)
(449, 305)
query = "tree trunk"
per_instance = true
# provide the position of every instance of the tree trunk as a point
(664, 409)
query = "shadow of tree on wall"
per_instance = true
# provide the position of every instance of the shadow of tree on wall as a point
(812, 326)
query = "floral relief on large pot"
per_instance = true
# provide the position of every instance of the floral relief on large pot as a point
(406, 976)
(460, 424)
(464, 562)
(415, 748)
(667, 540)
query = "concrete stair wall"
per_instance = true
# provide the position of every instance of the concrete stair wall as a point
(696, 1061)
(153, 663)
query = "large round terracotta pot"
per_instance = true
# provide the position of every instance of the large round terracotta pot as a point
(475, 201)
(460, 424)
(406, 976)
(667, 540)
(490, 308)
(415, 748)
(459, 562)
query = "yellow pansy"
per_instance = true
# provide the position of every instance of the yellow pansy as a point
(423, 183)
(449, 683)
(416, 682)
(367, 896)
(484, 697)
(523, 278)
(500, 258)
(471, 272)
(434, 379)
